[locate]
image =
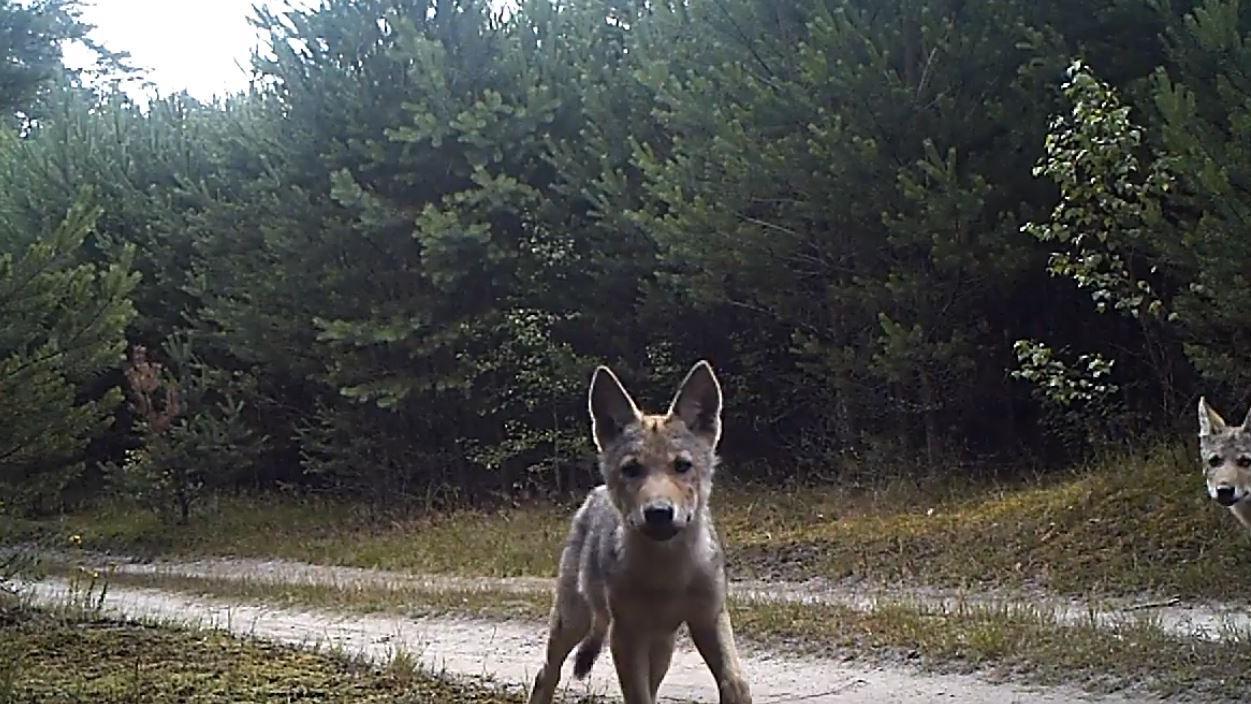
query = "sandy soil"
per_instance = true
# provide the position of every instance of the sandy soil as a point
(1209, 620)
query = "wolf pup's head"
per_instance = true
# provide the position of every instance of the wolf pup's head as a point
(658, 468)
(1226, 455)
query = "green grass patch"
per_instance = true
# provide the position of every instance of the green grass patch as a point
(402, 600)
(1125, 524)
(1026, 644)
(1021, 644)
(502, 543)
(46, 658)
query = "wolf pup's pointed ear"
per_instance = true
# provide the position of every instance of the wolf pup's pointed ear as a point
(612, 409)
(1210, 422)
(698, 403)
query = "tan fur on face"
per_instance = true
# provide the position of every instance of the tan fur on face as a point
(656, 444)
(1225, 454)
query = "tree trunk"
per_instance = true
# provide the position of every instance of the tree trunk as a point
(929, 410)
(184, 508)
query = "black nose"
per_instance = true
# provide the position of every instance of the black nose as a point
(1225, 495)
(660, 516)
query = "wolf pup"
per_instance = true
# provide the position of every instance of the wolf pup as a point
(642, 554)
(1226, 455)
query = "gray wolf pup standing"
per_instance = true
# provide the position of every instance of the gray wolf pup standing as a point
(642, 554)
(1226, 455)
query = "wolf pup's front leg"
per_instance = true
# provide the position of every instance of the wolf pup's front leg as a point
(714, 638)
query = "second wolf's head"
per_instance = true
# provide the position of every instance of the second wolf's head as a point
(658, 468)
(1226, 454)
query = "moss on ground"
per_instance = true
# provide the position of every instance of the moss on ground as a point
(1128, 523)
(45, 658)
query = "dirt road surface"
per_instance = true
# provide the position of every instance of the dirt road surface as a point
(1189, 620)
(508, 653)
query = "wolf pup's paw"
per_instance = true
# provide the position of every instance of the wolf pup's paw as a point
(735, 691)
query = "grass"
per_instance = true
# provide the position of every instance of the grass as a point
(1021, 644)
(1026, 644)
(403, 600)
(1127, 524)
(47, 658)
(504, 543)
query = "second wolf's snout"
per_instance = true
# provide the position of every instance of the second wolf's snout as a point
(1225, 451)
(1226, 495)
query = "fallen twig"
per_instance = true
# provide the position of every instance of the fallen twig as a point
(1171, 601)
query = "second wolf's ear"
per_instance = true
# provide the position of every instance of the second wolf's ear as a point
(611, 407)
(698, 403)
(1210, 422)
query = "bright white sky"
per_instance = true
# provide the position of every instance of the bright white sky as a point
(203, 46)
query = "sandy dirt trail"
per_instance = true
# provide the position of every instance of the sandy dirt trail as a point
(1209, 620)
(507, 652)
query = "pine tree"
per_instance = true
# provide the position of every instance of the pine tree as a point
(64, 324)
(1202, 98)
(196, 435)
(377, 287)
(32, 37)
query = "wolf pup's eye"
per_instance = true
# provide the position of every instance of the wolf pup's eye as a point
(1244, 461)
(1214, 461)
(632, 469)
(682, 465)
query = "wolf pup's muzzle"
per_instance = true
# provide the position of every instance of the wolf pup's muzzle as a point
(660, 521)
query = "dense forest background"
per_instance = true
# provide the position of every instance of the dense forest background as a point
(922, 235)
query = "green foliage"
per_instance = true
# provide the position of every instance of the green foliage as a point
(841, 187)
(419, 299)
(425, 222)
(195, 435)
(63, 329)
(1202, 104)
(1109, 227)
(31, 38)
(1085, 381)
(152, 169)
(1076, 395)
(1108, 209)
